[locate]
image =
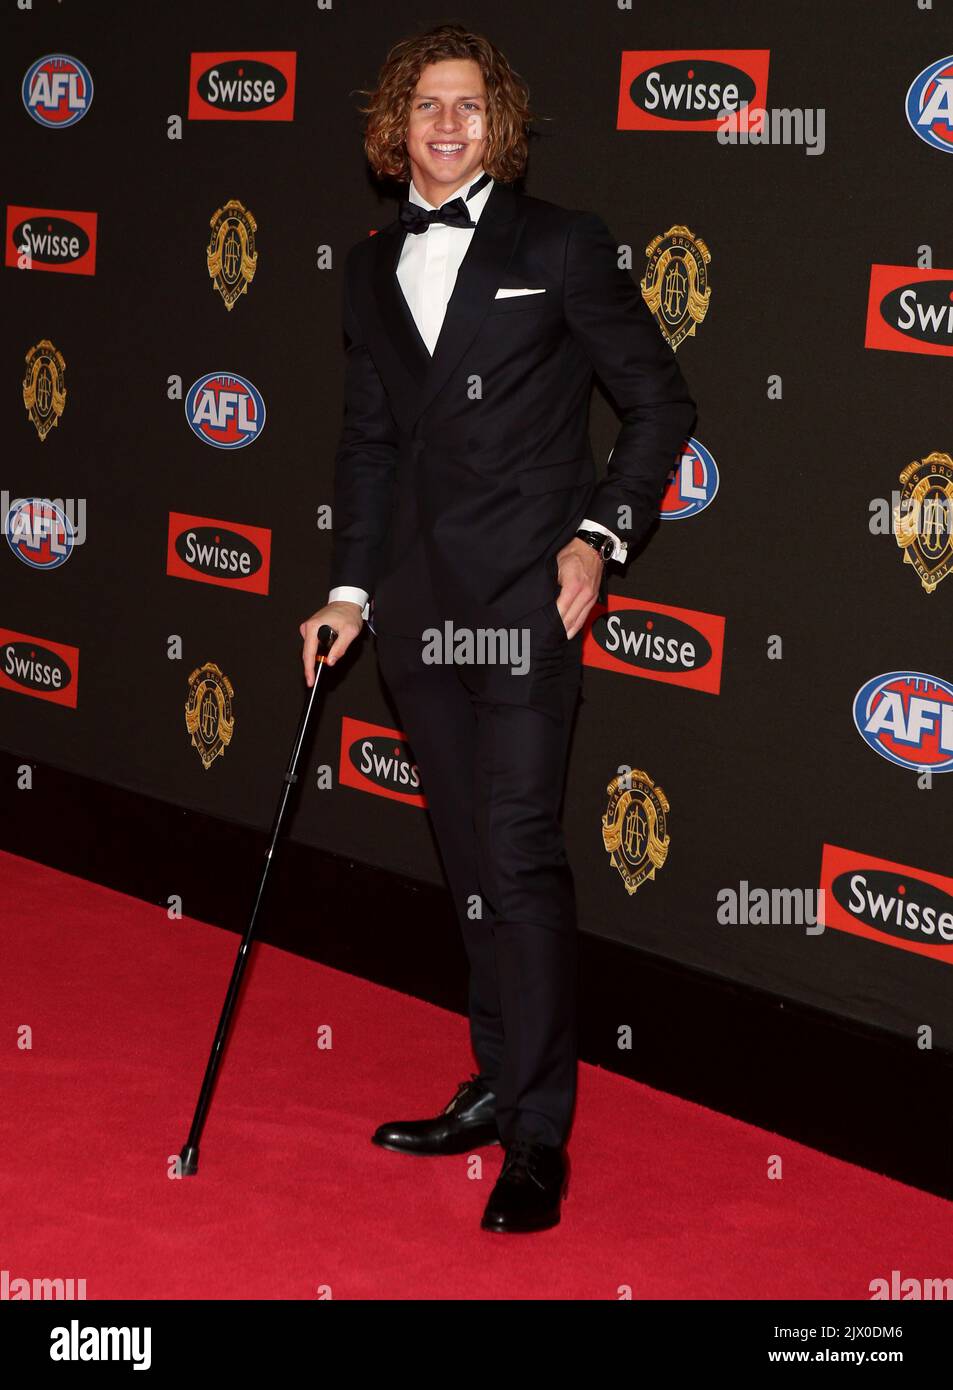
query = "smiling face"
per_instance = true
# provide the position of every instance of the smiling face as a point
(446, 132)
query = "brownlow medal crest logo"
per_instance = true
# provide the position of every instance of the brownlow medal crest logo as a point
(208, 712)
(675, 286)
(634, 827)
(923, 519)
(44, 386)
(231, 255)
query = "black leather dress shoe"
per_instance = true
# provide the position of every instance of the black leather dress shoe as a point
(468, 1122)
(534, 1179)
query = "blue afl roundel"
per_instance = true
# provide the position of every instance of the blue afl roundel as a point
(225, 410)
(57, 90)
(930, 105)
(692, 484)
(39, 533)
(907, 717)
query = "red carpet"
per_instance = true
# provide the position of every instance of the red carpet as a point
(667, 1198)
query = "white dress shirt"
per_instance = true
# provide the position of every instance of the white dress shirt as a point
(427, 272)
(429, 261)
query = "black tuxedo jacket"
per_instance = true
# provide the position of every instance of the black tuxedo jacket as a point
(459, 477)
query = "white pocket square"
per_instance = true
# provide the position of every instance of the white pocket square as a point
(508, 294)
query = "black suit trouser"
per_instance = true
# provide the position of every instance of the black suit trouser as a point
(491, 747)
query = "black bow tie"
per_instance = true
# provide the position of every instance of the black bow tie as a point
(454, 214)
(418, 219)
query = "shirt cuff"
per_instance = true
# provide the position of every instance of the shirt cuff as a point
(346, 593)
(621, 549)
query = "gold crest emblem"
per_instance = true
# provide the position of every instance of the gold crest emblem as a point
(634, 827)
(44, 386)
(675, 286)
(208, 712)
(923, 520)
(231, 253)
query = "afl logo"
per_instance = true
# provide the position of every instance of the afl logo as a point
(225, 410)
(692, 484)
(907, 717)
(57, 90)
(39, 533)
(930, 105)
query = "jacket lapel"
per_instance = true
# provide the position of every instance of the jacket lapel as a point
(396, 319)
(489, 252)
(477, 281)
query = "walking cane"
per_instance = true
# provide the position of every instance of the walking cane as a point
(190, 1153)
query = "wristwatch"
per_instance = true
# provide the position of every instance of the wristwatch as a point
(604, 544)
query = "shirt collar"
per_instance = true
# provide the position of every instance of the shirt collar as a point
(474, 207)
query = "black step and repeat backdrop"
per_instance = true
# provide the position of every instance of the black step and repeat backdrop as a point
(181, 184)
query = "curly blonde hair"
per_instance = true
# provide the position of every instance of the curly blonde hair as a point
(388, 107)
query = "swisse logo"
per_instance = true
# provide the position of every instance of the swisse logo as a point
(227, 553)
(689, 89)
(57, 90)
(46, 239)
(692, 484)
(911, 910)
(923, 311)
(929, 105)
(225, 410)
(889, 903)
(676, 645)
(36, 666)
(910, 310)
(242, 87)
(907, 717)
(51, 242)
(378, 760)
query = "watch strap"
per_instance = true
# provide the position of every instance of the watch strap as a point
(605, 545)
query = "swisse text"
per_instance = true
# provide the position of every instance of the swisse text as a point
(648, 644)
(211, 556)
(229, 91)
(49, 245)
(29, 671)
(870, 899)
(658, 94)
(913, 312)
(389, 769)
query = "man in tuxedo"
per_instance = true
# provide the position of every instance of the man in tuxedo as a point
(465, 493)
